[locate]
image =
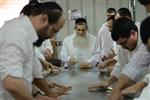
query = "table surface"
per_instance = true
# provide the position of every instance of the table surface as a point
(80, 80)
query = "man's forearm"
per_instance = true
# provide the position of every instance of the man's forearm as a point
(17, 88)
(122, 83)
(42, 84)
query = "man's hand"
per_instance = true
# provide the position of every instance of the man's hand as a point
(55, 69)
(58, 92)
(72, 61)
(53, 85)
(58, 89)
(110, 55)
(47, 53)
(85, 65)
(122, 83)
(102, 65)
(104, 85)
(49, 67)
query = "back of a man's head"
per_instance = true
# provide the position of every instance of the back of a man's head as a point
(144, 2)
(50, 8)
(124, 12)
(145, 30)
(122, 28)
(111, 10)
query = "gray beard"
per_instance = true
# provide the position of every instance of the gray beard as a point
(81, 42)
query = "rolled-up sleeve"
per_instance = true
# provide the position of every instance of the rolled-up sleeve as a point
(12, 57)
(122, 60)
(137, 64)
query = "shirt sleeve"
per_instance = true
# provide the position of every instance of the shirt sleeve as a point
(37, 68)
(13, 54)
(137, 64)
(64, 52)
(122, 60)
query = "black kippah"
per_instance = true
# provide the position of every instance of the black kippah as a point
(80, 20)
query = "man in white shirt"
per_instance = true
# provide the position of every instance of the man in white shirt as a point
(78, 47)
(45, 51)
(122, 57)
(104, 42)
(145, 95)
(125, 33)
(19, 67)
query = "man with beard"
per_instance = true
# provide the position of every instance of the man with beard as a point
(19, 67)
(77, 48)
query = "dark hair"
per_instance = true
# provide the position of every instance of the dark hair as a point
(81, 21)
(111, 18)
(145, 30)
(52, 9)
(111, 10)
(124, 12)
(122, 28)
(144, 2)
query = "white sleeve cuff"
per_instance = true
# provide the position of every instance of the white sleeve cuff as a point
(15, 72)
(132, 72)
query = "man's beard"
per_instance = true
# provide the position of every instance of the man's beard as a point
(39, 42)
(41, 36)
(81, 42)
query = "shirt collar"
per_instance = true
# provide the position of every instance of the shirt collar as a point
(29, 28)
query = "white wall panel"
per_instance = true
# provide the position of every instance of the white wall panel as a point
(95, 12)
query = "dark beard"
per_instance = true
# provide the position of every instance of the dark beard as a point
(38, 42)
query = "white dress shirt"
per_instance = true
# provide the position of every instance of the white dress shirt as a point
(132, 64)
(69, 51)
(17, 55)
(137, 64)
(104, 44)
(124, 57)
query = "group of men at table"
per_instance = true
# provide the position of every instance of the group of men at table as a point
(121, 46)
